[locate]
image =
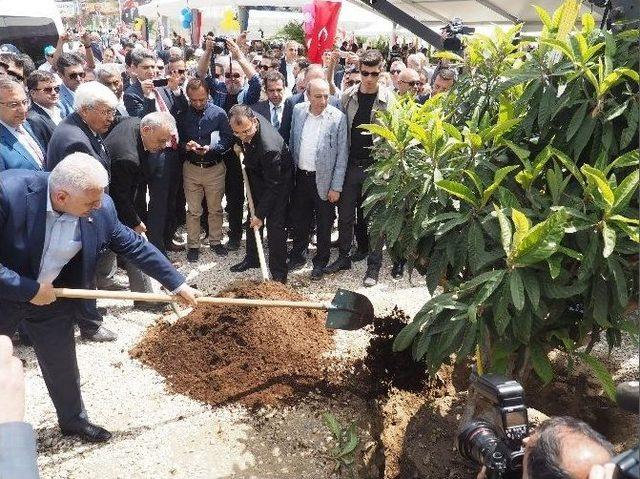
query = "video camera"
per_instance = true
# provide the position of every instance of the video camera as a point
(452, 34)
(493, 436)
(219, 44)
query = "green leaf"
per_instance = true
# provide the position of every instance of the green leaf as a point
(569, 164)
(495, 275)
(406, 336)
(522, 225)
(459, 190)
(352, 442)
(625, 191)
(332, 424)
(600, 182)
(600, 303)
(601, 373)
(560, 46)
(381, 131)
(516, 285)
(521, 326)
(531, 286)
(520, 152)
(576, 120)
(544, 16)
(609, 237)
(476, 245)
(498, 178)
(588, 22)
(541, 241)
(555, 264)
(546, 106)
(477, 182)
(541, 363)
(505, 230)
(501, 317)
(619, 280)
(631, 158)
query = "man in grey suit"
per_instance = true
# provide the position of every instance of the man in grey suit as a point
(318, 142)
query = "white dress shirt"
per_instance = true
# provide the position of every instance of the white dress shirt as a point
(54, 113)
(291, 78)
(312, 131)
(28, 142)
(62, 241)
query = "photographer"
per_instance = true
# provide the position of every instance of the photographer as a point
(565, 448)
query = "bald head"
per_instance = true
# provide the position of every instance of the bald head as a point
(318, 92)
(409, 81)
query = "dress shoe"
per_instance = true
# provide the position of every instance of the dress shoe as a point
(193, 254)
(359, 255)
(89, 432)
(397, 271)
(342, 263)
(296, 263)
(101, 335)
(317, 273)
(280, 279)
(219, 250)
(244, 265)
(370, 278)
(233, 244)
(174, 247)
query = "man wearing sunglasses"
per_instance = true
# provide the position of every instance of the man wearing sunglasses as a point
(70, 68)
(360, 104)
(409, 84)
(232, 89)
(45, 113)
(396, 68)
(19, 147)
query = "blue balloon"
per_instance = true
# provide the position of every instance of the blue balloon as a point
(186, 24)
(185, 11)
(188, 16)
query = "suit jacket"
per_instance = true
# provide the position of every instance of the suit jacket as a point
(41, 124)
(19, 455)
(282, 68)
(269, 167)
(332, 152)
(13, 155)
(135, 101)
(264, 109)
(73, 135)
(287, 112)
(23, 204)
(66, 101)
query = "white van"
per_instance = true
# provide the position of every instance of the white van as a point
(30, 25)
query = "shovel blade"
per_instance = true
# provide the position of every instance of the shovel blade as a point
(349, 311)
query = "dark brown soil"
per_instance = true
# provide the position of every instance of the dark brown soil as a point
(254, 356)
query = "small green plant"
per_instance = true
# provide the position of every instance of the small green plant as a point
(291, 31)
(347, 440)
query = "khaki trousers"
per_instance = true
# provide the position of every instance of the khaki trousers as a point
(202, 183)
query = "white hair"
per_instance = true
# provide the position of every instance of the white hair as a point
(167, 42)
(108, 69)
(78, 172)
(92, 92)
(159, 119)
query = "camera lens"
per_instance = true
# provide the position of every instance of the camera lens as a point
(477, 441)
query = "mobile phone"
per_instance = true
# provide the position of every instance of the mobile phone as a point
(160, 82)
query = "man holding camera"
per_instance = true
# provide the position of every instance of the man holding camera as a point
(233, 90)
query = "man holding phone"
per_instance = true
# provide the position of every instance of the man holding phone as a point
(205, 137)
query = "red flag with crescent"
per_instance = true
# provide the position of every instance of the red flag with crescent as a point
(321, 24)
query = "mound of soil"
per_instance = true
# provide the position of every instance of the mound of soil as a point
(254, 356)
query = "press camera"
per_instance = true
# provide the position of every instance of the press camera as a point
(452, 34)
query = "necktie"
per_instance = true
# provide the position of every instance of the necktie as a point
(162, 106)
(31, 145)
(275, 121)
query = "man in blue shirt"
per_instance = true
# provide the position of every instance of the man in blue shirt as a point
(205, 136)
(233, 89)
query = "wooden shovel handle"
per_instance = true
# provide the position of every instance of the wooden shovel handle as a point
(165, 298)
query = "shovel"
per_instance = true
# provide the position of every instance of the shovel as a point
(347, 310)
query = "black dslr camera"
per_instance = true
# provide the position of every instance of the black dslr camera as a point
(452, 34)
(219, 44)
(496, 425)
(628, 463)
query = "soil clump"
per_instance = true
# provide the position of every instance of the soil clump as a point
(220, 354)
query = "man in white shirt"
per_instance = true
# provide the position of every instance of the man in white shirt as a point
(273, 106)
(319, 147)
(288, 62)
(19, 147)
(45, 112)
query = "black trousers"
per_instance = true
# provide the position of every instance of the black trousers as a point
(234, 194)
(51, 329)
(350, 208)
(305, 203)
(162, 166)
(174, 164)
(276, 234)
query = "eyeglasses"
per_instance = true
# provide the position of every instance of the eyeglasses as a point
(106, 111)
(366, 74)
(75, 76)
(232, 75)
(48, 89)
(394, 72)
(413, 83)
(14, 105)
(179, 72)
(352, 82)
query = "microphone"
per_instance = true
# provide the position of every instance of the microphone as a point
(627, 396)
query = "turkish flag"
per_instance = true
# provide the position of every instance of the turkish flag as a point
(321, 28)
